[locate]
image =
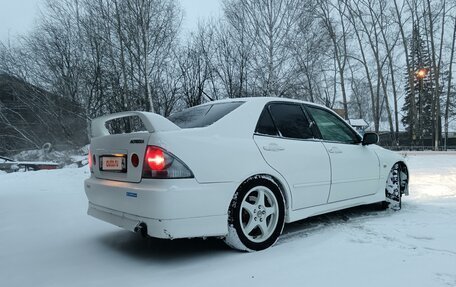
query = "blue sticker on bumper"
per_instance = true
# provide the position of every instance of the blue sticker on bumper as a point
(132, 194)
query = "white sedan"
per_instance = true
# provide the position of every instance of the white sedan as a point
(237, 169)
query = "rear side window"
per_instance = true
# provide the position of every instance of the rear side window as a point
(265, 124)
(291, 121)
(203, 116)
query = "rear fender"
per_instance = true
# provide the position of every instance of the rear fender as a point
(278, 180)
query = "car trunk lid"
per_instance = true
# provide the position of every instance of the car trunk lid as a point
(119, 154)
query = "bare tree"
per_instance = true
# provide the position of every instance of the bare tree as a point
(267, 26)
(233, 56)
(196, 67)
(339, 39)
(353, 18)
(309, 51)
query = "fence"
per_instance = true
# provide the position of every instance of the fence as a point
(418, 148)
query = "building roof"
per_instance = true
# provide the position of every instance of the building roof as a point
(358, 123)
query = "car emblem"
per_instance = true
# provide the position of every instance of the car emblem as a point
(136, 141)
(132, 194)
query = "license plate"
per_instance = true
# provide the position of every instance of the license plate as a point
(113, 163)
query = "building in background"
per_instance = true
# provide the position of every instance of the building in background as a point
(359, 125)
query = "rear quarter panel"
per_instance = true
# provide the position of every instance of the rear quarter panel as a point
(215, 157)
(223, 151)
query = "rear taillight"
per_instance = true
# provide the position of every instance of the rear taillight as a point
(155, 158)
(89, 159)
(160, 164)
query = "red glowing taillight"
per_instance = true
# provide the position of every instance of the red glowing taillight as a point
(89, 159)
(159, 163)
(155, 158)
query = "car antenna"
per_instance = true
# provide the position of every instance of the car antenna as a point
(211, 99)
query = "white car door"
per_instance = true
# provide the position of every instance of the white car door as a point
(355, 168)
(287, 143)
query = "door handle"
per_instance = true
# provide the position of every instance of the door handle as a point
(334, 150)
(273, 147)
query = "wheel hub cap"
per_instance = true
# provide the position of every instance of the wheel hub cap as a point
(259, 214)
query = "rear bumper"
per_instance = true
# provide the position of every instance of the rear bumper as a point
(177, 208)
(159, 228)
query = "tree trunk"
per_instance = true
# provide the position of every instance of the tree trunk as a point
(435, 68)
(410, 75)
(366, 69)
(450, 75)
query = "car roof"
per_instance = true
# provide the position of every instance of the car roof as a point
(242, 121)
(262, 100)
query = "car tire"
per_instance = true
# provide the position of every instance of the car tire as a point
(393, 193)
(256, 215)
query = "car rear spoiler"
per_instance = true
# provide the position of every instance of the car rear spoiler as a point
(152, 122)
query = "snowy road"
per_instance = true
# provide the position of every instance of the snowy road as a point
(46, 239)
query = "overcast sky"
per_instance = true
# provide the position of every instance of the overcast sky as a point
(19, 16)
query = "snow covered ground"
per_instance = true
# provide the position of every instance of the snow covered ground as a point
(46, 239)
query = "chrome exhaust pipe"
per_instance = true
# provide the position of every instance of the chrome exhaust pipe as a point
(142, 229)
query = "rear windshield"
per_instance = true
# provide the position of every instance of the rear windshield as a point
(203, 116)
(125, 125)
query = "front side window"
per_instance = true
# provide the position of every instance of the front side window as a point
(291, 121)
(332, 128)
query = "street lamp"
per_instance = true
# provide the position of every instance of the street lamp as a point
(421, 73)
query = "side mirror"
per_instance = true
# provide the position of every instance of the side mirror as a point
(370, 138)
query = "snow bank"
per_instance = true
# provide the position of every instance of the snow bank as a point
(68, 158)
